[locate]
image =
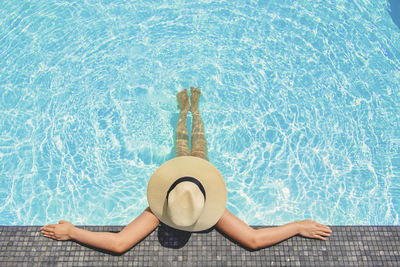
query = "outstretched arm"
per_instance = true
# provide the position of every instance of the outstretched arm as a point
(115, 242)
(255, 239)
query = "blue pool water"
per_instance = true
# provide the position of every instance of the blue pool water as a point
(300, 101)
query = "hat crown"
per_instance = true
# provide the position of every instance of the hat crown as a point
(185, 204)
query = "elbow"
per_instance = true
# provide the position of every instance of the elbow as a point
(252, 245)
(253, 242)
(119, 246)
(119, 249)
(257, 241)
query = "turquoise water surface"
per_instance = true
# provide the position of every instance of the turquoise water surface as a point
(300, 101)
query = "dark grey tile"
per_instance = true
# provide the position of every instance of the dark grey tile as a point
(348, 246)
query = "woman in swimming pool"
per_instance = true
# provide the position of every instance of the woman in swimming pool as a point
(187, 193)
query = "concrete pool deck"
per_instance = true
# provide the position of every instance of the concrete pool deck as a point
(348, 246)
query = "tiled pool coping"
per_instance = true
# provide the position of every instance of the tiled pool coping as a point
(348, 246)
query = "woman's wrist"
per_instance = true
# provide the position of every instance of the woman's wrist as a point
(297, 226)
(72, 232)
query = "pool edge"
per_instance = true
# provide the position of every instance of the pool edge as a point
(348, 246)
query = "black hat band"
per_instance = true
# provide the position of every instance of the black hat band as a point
(187, 179)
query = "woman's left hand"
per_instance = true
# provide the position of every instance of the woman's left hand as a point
(60, 231)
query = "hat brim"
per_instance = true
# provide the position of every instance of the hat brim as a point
(202, 170)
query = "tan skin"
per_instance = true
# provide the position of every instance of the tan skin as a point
(143, 225)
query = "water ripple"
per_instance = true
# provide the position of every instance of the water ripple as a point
(300, 104)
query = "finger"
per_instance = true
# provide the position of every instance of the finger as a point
(47, 233)
(49, 236)
(327, 229)
(323, 233)
(319, 237)
(49, 227)
(323, 226)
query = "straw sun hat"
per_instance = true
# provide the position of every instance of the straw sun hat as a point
(187, 193)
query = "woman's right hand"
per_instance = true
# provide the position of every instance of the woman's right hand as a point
(60, 231)
(312, 229)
